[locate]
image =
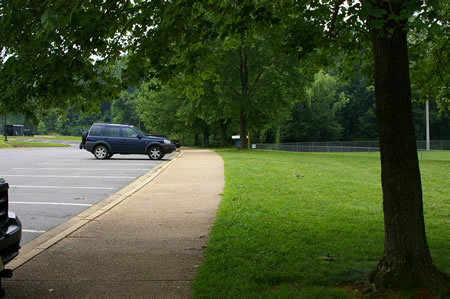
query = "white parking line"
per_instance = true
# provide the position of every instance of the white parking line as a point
(120, 169)
(61, 187)
(68, 176)
(33, 231)
(51, 203)
(90, 164)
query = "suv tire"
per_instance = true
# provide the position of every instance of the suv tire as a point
(101, 152)
(155, 152)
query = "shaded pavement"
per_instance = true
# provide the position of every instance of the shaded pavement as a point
(145, 241)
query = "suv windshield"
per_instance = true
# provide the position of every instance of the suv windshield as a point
(139, 132)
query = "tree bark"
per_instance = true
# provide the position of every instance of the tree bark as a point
(223, 129)
(206, 134)
(406, 261)
(196, 139)
(243, 57)
(243, 130)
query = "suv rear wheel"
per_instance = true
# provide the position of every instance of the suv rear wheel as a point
(101, 152)
(155, 152)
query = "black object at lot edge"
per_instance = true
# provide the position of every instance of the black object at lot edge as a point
(10, 234)
(84, 135)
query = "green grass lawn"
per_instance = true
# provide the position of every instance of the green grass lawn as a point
(300, 225)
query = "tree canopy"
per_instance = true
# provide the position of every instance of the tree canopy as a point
(220, 60)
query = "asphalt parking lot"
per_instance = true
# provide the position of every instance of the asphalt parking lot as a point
(48, 186)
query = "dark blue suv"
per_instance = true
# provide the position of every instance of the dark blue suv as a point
(105, 140)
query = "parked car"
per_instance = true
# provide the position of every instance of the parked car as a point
(105, 140)
(174, 141)
(177, 143)
(10, 233)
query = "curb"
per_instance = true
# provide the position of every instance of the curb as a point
(34, 247)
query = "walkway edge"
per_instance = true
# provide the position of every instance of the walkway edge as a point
(34, 247)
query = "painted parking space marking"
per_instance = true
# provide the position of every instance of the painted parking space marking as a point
(115, 162)
(33, 231)
(61, 187)
(90, 169)
(45, 183)
(68, 176)
(51, 203)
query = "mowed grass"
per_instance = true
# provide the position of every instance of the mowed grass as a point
(300, 225)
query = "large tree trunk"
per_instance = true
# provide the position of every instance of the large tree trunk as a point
(243, 56)
(196, 139)
(206, 134)
(243, 130)
(223, 130)
(406, 262)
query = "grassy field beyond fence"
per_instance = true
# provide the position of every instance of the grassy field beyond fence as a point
(302, 225)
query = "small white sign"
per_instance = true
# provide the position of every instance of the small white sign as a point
(254, 146)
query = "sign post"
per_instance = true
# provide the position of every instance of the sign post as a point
(428, 125)
(5, 130)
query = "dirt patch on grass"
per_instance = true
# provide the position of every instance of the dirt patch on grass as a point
(360, 289)
(354, 289)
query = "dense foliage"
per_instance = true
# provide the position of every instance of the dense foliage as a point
(157, 108)
(267, 69)
(240, 65)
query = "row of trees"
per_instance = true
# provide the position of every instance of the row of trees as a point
(245, 62)
(321, 108)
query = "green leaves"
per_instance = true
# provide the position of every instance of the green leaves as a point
(52, 59)
(369, 10)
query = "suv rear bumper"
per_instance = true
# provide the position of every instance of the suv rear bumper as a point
(89, 146)
(10, 235)
(168, 148)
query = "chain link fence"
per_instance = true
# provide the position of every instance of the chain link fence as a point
(344, 146)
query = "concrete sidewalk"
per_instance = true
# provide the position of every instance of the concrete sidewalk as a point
(141, 244)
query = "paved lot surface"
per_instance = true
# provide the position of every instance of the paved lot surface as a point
(48, 186)
(147, 245)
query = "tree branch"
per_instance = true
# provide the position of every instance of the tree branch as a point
(336, 7)
(236, 92)
(439, 58)
(235, 68)
(260, 72)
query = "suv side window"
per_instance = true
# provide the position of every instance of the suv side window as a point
(112, 131)
(95, 131)
(128, 132)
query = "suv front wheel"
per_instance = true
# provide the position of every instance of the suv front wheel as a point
(101, 152)
(155, 152)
